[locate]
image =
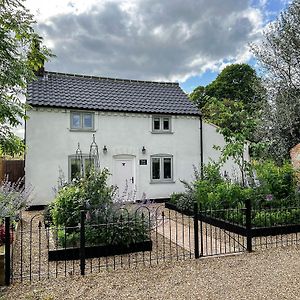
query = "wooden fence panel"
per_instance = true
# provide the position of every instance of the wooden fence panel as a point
(14, 169)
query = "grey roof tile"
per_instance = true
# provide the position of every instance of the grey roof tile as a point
(107, 94)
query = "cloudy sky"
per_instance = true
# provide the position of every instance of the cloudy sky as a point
(187, 41)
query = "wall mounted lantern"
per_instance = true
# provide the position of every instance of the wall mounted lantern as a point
(144, 150)
(104, 149)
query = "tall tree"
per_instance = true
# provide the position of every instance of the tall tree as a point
(21, 56)
(233, 102)
(279, 56)
(237, 82)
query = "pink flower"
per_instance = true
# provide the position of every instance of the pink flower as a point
(269, 197)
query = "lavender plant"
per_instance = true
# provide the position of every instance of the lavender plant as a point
(13, 198)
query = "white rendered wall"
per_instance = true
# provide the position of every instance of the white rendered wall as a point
(49, 143)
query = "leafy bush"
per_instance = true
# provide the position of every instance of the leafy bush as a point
(276, 187)
(105, 222)
(268, 218)
(90, 193)
(175, 197)
(279, 182)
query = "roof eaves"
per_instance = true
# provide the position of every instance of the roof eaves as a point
(116, 110)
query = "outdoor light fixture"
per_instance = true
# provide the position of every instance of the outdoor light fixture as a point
(104, 150)
(144, 150)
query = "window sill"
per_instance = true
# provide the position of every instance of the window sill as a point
(82, 130)
(161, 132)
(163, 182)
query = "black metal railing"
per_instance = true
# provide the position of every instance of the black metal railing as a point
(151, 235)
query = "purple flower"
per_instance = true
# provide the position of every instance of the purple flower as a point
(269, 197)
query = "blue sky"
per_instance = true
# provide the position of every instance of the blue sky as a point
(271, 10)
(188, 42)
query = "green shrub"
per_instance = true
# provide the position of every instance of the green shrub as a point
(268, 218)
(278, 181)
(94, 196)
(68, 239)
(91, 193)
(175, 197)
(277, 188)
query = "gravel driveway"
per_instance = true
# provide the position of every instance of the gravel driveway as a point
(269, 274)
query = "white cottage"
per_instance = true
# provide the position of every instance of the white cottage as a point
(149, 134)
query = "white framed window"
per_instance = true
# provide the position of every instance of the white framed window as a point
(161, 124)
(82, 120)
(161, 168)
(75, 168)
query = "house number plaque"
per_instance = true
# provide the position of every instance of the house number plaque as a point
(143, 162)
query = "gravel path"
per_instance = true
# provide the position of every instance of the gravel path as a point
(269, 274)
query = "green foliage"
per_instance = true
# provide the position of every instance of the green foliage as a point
(105, 222)
(68, 239)
(278, 54)
(278, 181)
(233, 102)
(91, 192)
(275, 199)
(236, 125)
(198, 96)
(237, 82)
(21, 54)
(175, 197)
(119, 231)
(231, 117)
(96, 192)
(65, 210)
(268, 218)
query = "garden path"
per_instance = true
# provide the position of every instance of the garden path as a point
(212, 240)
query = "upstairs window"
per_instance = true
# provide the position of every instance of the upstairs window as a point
(162, 168)
(161, 124)
(82, 120)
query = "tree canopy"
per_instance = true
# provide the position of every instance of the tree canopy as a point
(279, 57)
(237, 82)
(21, 55)
(233, 102)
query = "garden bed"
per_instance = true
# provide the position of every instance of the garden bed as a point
(99, 251)
(255, 231)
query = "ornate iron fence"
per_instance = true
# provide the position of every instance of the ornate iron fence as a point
(136, 236)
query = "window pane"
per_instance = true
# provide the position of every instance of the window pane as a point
(155, 168)
(166, 123)
(75, 168)
(88, 164)
(75, 121)
(167, 168)
(87, 120)
(156, 124)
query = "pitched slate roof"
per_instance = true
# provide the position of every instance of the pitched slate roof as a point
(107, 94)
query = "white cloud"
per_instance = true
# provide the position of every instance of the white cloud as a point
(147, 39)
